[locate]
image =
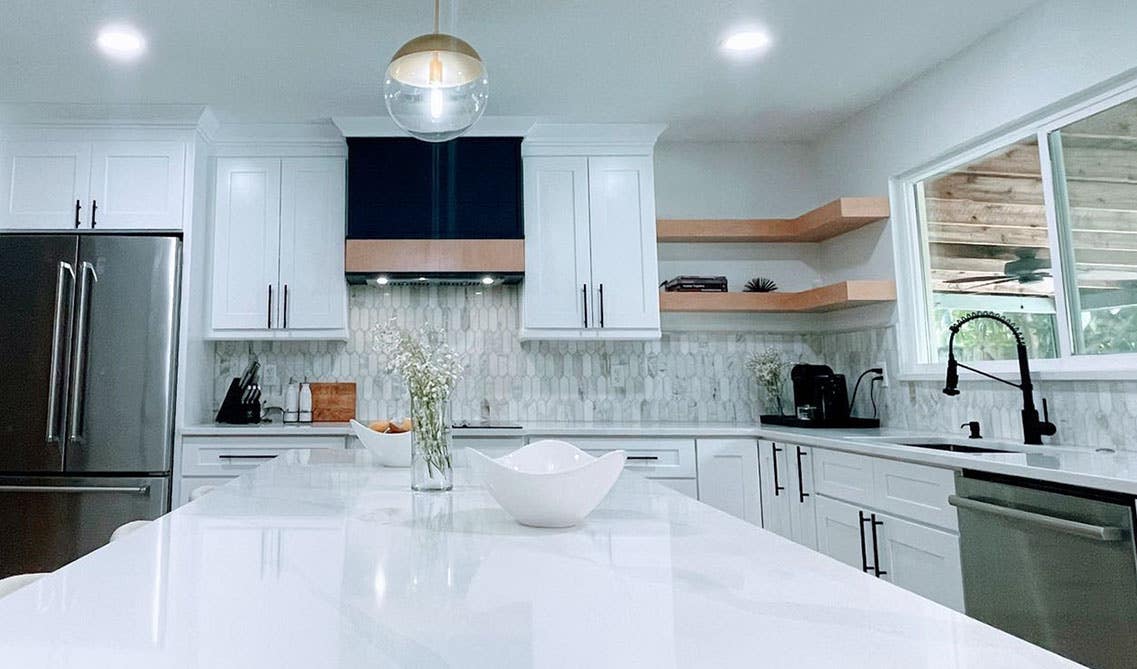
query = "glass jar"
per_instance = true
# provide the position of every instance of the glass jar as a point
(432, 468)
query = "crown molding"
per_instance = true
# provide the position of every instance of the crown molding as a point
(383, 126)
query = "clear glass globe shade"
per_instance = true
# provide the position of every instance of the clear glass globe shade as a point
(436, 87)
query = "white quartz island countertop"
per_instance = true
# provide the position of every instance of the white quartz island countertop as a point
(322, 559)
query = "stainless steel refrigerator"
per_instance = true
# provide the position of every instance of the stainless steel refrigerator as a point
(88, 350)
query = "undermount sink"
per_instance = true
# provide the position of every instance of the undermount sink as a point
(956, 448)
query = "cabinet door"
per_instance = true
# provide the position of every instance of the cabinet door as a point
(920, 559)
(557, 264)
(803, 515)
(625, 270)
(728, 477)
(839, 532)
(312, 284)
(776, 500)
(41, 183)
(138, 185)
(246, 239)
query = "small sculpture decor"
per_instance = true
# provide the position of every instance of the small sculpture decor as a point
(760, 285)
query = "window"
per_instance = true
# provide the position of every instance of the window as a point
(1095, 167)
(1039, 226)
(987, 248)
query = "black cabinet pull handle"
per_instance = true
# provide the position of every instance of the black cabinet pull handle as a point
(864, 551)
(77, 208)
(584, 293)
(270, 306)
(226, 456)
(286, 306)
(778, 488)
(642, 458)
(601, 305)
(801, 493)
(876, 553)
(94, 209)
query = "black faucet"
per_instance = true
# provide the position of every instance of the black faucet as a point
(1033, 427)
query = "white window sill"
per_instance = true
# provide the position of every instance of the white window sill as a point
(1122, 367)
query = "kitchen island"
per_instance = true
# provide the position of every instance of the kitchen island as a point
(322, 559)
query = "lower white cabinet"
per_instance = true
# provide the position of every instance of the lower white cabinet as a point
(787, 491)
(921, 559)
(728, 477)
(667, 460)
(216, 460)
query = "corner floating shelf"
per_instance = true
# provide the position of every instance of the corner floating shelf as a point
(835, 296)
(828, 221)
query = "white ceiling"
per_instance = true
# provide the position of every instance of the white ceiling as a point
(622, 60)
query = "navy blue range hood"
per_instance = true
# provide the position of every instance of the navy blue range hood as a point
(450, 211)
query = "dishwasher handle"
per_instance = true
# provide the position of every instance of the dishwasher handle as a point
(1084, 530)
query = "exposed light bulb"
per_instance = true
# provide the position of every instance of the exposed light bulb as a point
(436, 103)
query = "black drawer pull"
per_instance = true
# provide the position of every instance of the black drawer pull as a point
(227, 456)
(642, 458)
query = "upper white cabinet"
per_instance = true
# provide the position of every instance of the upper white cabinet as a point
(101, 185)
(728, 477)
(278, 244)
(591, 269)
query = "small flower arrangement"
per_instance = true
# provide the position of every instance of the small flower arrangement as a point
(769, 369)
(431, 369)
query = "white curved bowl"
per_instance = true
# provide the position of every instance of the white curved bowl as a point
(391, 450)
(548, 483)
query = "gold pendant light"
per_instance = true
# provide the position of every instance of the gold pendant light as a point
(436, 86)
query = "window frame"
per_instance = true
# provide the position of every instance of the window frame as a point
(914, 290)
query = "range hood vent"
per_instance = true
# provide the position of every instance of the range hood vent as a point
(442, 212)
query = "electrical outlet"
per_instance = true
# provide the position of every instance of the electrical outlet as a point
(883, 373)
(269, 376)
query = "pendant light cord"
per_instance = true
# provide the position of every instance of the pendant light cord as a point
(436, 16)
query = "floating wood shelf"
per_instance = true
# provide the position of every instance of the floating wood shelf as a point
(836, 218)
(825, 298)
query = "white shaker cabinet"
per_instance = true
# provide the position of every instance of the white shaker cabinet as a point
(775, 497)
(625, 269)
(555, 292)
(278, 243)
(591, 269)
(728, 477)
(788, 497)
(136, 185)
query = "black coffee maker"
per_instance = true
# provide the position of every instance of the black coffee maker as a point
(820, 396)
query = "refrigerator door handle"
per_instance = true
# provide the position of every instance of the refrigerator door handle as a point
(79, 489)
(79, 354)
(59, 345)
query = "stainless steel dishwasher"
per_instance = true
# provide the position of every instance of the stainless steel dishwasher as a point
(1054, 565)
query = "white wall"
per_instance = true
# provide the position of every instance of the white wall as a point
(738, 180)
(1056, 50)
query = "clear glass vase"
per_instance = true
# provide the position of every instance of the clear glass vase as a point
(432, 467)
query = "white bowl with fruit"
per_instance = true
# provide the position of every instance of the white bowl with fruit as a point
(388, 440)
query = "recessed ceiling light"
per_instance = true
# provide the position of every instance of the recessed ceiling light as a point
(487, 280)
(121, 42)
(381, 281)
(746, 41)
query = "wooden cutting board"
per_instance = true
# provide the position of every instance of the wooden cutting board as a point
(333, 402)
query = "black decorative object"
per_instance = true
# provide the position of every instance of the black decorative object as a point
(760, 285)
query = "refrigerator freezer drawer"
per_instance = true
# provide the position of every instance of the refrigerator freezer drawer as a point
(47, 522)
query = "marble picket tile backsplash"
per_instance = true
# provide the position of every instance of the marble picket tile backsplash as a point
(682, 377)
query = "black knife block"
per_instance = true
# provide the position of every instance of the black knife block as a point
(234, 410)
